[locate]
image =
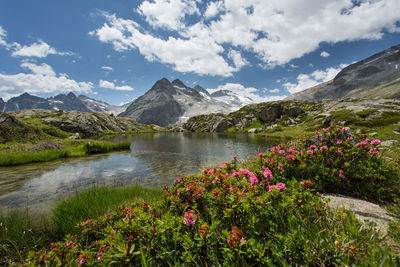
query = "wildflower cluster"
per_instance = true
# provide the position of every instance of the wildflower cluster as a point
(267, 215)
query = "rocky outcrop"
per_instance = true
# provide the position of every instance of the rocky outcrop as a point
(264, 113)
(375, 77)
(87, 124)
(11, 121)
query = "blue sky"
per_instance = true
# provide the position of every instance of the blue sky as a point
(116, 50)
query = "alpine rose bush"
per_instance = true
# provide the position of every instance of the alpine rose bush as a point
(228, 216)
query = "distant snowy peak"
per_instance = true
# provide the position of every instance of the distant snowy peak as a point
(231, 98)
(100, 106)
(173, 102)
(66, 102)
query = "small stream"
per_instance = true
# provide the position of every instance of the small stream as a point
(154, 160)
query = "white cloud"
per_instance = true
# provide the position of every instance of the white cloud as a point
(42, 79)
(167, 14)
(273, 31)
(106, 68)
(305, 81)
(276, 90)
(40, 50)
(200, 54)
(213, 8)
(324, 54)
(237, 59)
(110, 85)
(3, 36)
(244, 93)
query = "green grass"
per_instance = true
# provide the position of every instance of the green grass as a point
(74, 149)
(96, 202)
(24, 231)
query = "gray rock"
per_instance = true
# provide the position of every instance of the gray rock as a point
(363, 210)
(390, 143)
(220, 126)
(253, 130)
(272, 113)
(6, 119)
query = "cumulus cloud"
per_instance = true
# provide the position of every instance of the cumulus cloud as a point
(112, 86)
(213, 8)
(324, 54)
(41, 79)
(276, 90)
(275, 32)
(40, 50)
(305, 81)
(167, 14)
(246, 94)
(200, 54)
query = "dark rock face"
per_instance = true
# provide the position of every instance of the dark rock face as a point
(157, 106)
(6, 119)
(221, 125)
(69, 102)
(26, 101)
(2, 104)
(362, 79)
(271, 114)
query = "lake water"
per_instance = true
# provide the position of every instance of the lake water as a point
(154, 160)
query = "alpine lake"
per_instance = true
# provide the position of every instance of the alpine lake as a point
(154, 160)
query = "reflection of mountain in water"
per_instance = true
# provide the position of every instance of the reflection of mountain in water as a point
(155, 159)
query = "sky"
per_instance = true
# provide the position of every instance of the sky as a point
(116, 50)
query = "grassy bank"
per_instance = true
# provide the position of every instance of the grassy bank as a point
(17, 154)
(21, 232)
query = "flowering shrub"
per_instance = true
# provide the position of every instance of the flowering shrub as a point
(336, 162)
(230, 216)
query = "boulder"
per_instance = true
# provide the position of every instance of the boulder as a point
(363, 210)
(272, 113)
(220, 126)
(8, 120)
(390, 143)
(253, 130)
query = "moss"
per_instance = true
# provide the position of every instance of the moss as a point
(365, 113)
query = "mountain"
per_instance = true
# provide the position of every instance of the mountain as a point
(66, 102)
(26, 101)
(168, 103)
(375, 77)
(100, 106)
(2, 104)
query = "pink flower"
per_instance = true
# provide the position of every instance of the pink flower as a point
(341, 174)
(266, 160)
(226, 175)
(177, 180)
(317, 133)
(260, 155)
(243, 240)
(374, 151)
(190, 218)
(339, 142)
(274, 149)
(244, 195)
(290, 157)
(280, 167)
(349, 139)
(313, 146)
(376, 142)
(281, 151)
(322, 148)
(325, 130)
(339, 152)
(309, 152)
(329, 161)
(253, 180)
(345, 129)
(279, 186)
(234, 174)
(291, 149)
(268, 174)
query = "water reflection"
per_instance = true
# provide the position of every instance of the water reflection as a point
(154, 160)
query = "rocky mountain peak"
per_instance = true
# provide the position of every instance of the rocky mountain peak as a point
(178, 83)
